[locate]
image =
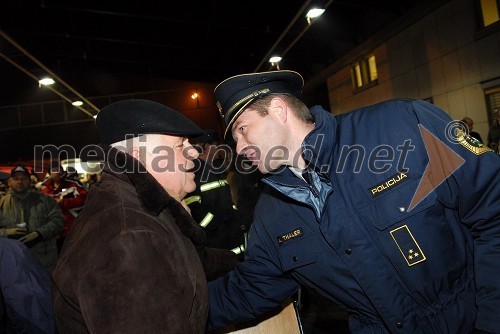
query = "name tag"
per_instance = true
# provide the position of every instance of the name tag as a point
(289, 236)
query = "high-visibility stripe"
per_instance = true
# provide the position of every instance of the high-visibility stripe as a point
(238, 250)
(206, 220)
(213, 185)
(192, 199)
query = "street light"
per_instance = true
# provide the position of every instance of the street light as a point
(46, 81)
(275, 60)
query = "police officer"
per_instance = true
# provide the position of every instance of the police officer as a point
(390, 211)
(211, 204)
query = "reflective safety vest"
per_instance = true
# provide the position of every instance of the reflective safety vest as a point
(209, 216)
(196, 198)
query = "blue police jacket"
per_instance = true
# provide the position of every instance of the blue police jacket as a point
(399, 224)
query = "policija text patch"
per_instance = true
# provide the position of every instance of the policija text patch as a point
(385, 185)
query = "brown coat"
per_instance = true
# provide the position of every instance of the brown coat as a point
(131, 261)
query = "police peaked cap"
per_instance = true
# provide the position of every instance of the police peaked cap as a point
(131, 118)
(234, 94)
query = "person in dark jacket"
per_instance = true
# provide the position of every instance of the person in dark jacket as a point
(391, 211)
(470, 126)
(210, 203)
(25, 300)
(138, 262)
(31, 217)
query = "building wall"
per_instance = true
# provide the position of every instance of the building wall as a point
(442, 56)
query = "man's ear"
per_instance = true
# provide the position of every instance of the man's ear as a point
(134, 152)
(279, 108)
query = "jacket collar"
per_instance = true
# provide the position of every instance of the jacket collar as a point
(317, 146)
(153, 198)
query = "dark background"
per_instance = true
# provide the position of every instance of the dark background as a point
(107, 50)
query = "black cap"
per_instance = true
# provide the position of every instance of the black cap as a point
(131, 118)
(234, 94)
(19, 169)
(208, 136)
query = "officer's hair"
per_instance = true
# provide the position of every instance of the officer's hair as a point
(300, 110)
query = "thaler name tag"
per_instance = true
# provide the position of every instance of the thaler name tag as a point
(289, 236)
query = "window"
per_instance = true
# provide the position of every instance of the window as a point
(492, 102)
(489, 12)
(364, 74)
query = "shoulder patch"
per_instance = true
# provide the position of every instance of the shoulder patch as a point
(472, 144)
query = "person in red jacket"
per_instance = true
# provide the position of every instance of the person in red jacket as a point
(68, 193)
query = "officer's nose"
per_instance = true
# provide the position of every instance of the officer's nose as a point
(241, 145)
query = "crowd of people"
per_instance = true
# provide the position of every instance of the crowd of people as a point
(398, 226)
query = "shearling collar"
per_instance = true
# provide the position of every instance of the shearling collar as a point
(154, 199)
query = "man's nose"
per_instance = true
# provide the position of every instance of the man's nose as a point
(240, 146)
(192, 153)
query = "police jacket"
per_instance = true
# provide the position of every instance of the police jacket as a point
(399, 225)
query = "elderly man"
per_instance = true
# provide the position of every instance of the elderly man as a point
(391, 211)
(134, 260)
(33, 218)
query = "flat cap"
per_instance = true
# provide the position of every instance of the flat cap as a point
(131, 118)
(234, 94)
(208, 136)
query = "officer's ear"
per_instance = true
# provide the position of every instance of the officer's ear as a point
(278, 108)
